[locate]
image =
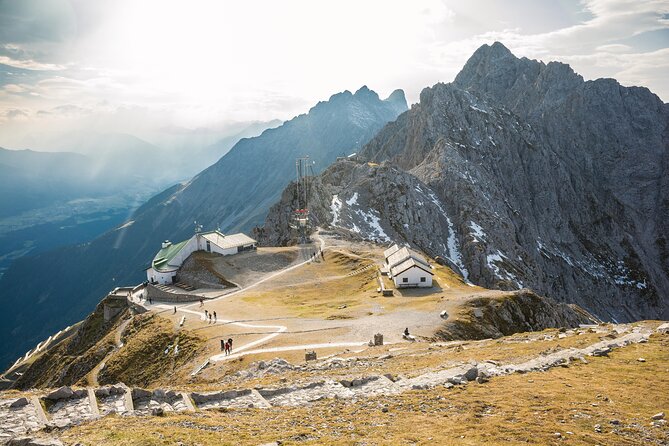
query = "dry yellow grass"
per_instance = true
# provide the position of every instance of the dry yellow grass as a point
(408, 359)
(142, 361)
(516, 409)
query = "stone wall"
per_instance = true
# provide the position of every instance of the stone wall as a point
(164, 296)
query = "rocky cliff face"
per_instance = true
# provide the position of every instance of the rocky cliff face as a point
(521, 174)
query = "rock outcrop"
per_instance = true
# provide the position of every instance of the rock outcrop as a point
(518, 311)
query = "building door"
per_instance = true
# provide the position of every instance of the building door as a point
(208, 246)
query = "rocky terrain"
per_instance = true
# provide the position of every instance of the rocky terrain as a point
(518, 174)
(493, 317)
(66, 407)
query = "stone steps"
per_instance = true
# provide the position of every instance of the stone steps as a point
(65, 407)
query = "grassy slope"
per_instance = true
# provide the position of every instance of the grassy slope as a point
(72, 359)
(142, 361)
(516, 409)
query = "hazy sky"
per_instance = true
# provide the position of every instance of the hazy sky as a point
(139, 66)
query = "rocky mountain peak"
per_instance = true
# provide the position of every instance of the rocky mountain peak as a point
(365, 93)
(520, 173)
(398, 100)
(485, 58)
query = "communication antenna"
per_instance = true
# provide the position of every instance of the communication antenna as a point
(198, 228)
(304, 173)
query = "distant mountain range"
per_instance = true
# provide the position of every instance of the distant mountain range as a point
(53, 199)
(43, 293)
(519, 174)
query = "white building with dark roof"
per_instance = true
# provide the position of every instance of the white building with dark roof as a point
(407, 268)
(169, 259)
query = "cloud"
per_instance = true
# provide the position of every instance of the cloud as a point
(30, 64)
(15, 89)
(129, 66)
(15, 113)
(591, 46)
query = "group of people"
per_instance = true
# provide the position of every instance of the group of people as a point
(210, 316)
(226, 346)
(319, 252)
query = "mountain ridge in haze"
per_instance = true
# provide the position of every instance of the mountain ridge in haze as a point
(234, 193)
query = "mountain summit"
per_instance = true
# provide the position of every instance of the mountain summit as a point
(521, 174)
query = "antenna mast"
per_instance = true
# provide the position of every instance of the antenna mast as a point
(304, 171)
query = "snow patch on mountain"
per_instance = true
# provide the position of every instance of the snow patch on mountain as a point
(492, 261)
(477, 232)
(335, 208)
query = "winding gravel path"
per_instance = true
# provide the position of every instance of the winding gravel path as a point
(276, 329)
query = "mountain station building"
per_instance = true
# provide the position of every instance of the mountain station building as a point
(407, 268)
(166, 263)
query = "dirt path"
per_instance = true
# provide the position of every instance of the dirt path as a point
(391, 324)
(223, 357)
(93, 375)
(278, 329)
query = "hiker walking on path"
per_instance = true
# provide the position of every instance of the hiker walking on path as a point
(214, 317)
(206, 314)
(228, 348)
(230, 344)
(175, 309)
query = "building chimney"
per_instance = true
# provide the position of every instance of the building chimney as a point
(166, 243)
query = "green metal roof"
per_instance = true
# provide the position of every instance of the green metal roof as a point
(162, 259)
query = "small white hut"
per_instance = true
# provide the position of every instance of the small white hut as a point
(407, 268)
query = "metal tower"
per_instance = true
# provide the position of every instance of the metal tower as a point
(304, 172)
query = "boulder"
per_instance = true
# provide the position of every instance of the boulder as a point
(23, 401)
(102, 392)
(140, 393)
(601, 351)
(62, 393)
(658, 416)
(118, 389)
(472, 373)
(457, 379)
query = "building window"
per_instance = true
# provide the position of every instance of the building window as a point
(422, 279)
(405, 279)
